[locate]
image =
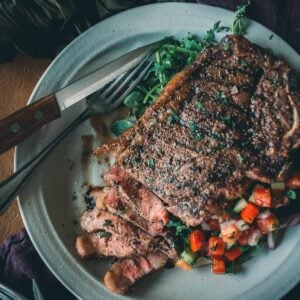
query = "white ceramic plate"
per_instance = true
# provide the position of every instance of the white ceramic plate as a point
(48, 206)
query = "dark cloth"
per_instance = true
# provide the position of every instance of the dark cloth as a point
(20, 263)
(45, 27)
(282, 16)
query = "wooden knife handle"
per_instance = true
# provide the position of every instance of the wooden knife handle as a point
(19, 125)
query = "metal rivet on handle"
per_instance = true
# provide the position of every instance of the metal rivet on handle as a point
(38, 114)
(15, 127)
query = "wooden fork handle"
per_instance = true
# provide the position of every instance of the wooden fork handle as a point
(19, 125)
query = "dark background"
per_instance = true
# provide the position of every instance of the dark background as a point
(41, 28)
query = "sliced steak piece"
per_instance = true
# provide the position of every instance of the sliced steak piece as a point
(109, 198)
(141, 201)
(126, 272)
(111, 235)
(229, 118)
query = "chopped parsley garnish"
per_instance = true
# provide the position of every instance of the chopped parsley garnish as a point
(221, 98)
(192, 126)
(274, 83)
(135, 160)
(240, 158)
(218, 148)
(199, 105)
(89, 201)
(291, 194)
(215, 233)
(107, 223)
(121, 211)
(151, 163)
(103, 234)
(214, 248)
(244, 63)
(172, 117)
(149, 180)
(193, 129)
(228, 120)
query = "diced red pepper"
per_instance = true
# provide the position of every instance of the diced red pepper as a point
(233, 253)
(249, 213)
(197, 240)
(268, 224)
(216, 246)
(294, 181)
(230, 233)
(218, 266)
(226, 216)
(214, 225)
(262, 196)
(244, 237)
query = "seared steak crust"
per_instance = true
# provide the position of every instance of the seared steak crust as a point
(228, 119)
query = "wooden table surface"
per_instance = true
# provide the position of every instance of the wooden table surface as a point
(17, 80)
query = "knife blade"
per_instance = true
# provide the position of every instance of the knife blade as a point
(18, 126)
(89, 84)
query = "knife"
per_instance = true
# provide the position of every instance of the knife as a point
(19, 125)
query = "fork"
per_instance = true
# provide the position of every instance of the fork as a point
(101, 102)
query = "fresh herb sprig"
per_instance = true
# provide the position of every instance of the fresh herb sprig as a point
(181, 232)
(238, 24)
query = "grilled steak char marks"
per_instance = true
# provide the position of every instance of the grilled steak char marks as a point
(228, 119)
(111, 235)
(142, 201)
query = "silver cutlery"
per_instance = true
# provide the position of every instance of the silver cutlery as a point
(117, 85)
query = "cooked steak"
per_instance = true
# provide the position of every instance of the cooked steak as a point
(228, 119)
(109, 198)
(141, 200)
(111, 235)
(127, 271)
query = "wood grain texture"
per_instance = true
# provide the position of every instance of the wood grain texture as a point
(21, 124)
(17, 80)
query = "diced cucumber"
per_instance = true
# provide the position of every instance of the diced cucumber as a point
(228, 246)
(188, 256)
(278, 186)
(202, 261)
(240, 205)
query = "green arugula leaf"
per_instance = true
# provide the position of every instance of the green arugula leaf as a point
(103, 234)
(134, 99)
(118, 127)
(238, 24)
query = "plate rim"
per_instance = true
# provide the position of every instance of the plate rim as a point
(45, 74)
